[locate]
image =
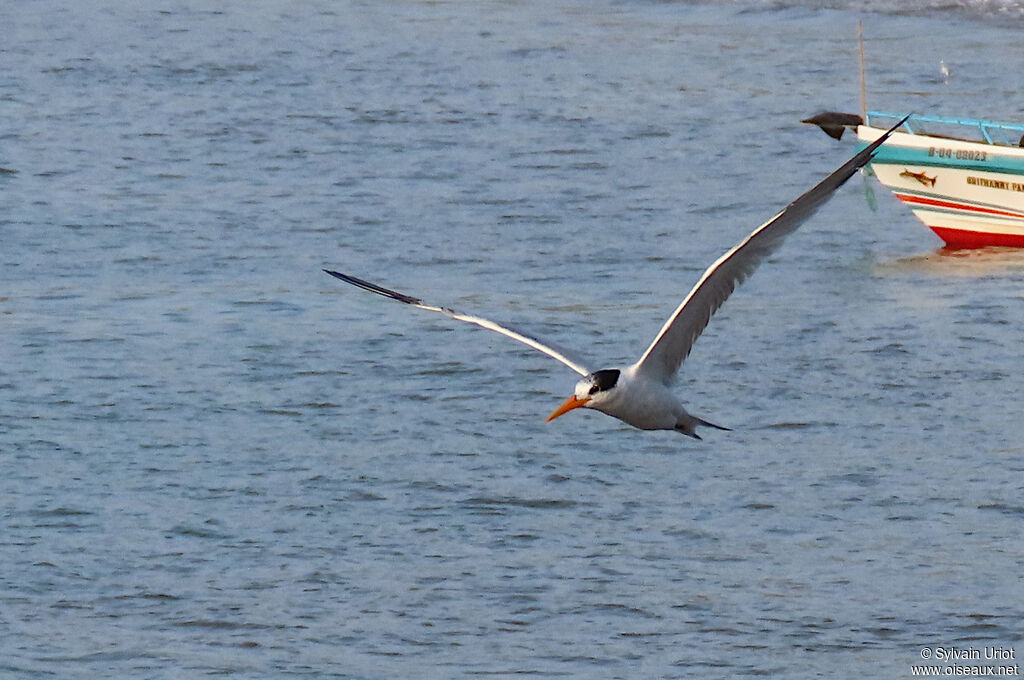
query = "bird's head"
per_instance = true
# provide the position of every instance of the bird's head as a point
(591, 392)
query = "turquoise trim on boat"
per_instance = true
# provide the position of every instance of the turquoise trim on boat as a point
(993, 160)
(988, 155)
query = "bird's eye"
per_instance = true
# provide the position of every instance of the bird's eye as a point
(593, 389)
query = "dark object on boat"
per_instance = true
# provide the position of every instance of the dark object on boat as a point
(834, 123)
(920, 177)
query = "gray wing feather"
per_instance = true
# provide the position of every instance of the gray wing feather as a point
(675, 340)
(546, 348)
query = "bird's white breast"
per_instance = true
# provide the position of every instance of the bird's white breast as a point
(642, 402)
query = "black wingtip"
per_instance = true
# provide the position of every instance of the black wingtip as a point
(873, 147)
(374, 288)
(864, 156)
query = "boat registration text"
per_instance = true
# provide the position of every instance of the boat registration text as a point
(959, 154)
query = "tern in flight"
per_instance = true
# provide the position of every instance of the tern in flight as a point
(641, 395)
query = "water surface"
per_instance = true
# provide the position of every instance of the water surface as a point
(216, 460)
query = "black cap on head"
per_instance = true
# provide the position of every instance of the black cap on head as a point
(604, 379)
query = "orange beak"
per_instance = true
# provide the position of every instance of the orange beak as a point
(570, 403)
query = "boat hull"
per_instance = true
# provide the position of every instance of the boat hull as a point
(971, 194)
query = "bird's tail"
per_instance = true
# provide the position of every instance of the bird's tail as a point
(701, 421)
(688, 426)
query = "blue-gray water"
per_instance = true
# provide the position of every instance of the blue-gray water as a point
(217, 460)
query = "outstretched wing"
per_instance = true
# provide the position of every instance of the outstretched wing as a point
(536, 344)
(675, 340)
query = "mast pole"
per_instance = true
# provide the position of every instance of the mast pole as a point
(863, 77)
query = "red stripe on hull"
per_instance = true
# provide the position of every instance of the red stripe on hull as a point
(959, 238)
(934, 202)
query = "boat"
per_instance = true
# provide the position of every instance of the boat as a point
(963, 178)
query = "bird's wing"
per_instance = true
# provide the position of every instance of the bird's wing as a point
(675, 340)
(536, 344)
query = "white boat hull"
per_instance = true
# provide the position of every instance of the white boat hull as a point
(971, 194)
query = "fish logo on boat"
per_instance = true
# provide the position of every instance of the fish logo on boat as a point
(920, 177)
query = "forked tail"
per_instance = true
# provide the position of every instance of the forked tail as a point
(688, 426)
(701, 421)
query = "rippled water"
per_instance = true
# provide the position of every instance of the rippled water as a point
(216, 460)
